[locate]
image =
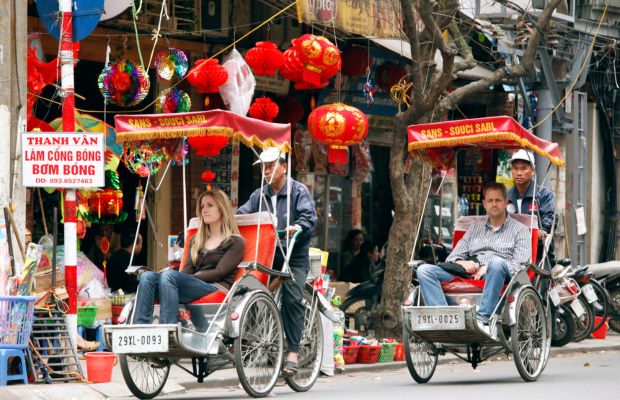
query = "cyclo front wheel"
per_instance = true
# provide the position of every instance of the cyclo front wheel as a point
(310, 349)
(529, 336)
(145, 377)
(258, 348)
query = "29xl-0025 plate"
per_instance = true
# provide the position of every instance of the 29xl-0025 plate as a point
(440, 318)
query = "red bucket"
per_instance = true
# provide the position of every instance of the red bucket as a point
(99, 366)
(600, 333)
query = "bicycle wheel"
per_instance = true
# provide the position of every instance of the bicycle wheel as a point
(420, 357)
(585, 323)
(258, 348)
(145, 377)
(529, 336)
(310, 350)
(603, 301)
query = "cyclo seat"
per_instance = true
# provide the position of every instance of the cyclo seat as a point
(463, 285)
(248, 228)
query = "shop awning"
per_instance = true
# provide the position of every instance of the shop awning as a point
(492, 132)
(252, 132)
(403, 48)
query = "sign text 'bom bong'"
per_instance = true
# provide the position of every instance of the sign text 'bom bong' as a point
(68, 160)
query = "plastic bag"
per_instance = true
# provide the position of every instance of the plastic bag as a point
(237, 92)
(94, 289)
(362, 162)
(302, 149)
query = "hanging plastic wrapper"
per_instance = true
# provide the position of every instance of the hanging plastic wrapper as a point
(238, 91)
(137, 205)
(302, 149)
(362, 162)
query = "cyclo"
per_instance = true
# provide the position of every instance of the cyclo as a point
(243, 326)
(522, 315)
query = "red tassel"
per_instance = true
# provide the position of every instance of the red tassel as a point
(338, 155)
(312, 75)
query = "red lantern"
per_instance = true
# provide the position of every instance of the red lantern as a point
(208, 145)
(208, 176)
(317, 54)
(265, 59)
(388, 75)
(106, 202)
(290, 110)
(207, 75)
(355, 61)
(263, 108)
(338, 126)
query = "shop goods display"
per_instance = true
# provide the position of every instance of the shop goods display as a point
(124, 83)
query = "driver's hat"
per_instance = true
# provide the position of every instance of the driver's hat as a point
(523, 155)
(271, 154)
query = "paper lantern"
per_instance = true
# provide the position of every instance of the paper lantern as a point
(318, 54)
(264, 59)
(291, 111)
(208, 176)
(355, 61)
(207, 75)
(338, 126)
(106, 202)
(208, 145)
(263, 108)
(388, 75)
(293, 70)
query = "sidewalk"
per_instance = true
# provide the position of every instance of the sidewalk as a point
(179, 380)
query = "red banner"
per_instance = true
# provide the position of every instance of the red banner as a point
(491, 132)
(170, 126)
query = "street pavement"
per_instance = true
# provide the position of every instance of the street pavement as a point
(181, 384)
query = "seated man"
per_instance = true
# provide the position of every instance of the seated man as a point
(500, 245)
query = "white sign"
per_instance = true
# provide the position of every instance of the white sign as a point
(67, 160)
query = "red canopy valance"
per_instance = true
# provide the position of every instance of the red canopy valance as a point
(252, 132)
(491, 132)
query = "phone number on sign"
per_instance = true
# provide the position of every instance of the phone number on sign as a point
(84, 181)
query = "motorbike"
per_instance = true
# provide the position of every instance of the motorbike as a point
(566, 310)
(608, 275)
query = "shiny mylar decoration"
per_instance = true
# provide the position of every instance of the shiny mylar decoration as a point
(144, 158)
(124, 83)
(173, 100)
(171, 64)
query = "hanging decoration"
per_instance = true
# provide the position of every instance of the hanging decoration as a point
(338, 126)
(207, 177)
(238, 91)
(207, 75)
(143, 158)
(105, 206)
(291, 111)
(264, 108)
(124, 83)
(208, 145)
(137, 204)
(388, 75)
(171, 65)
(355, 61)
(310, 62)
(369, 89)
(180, 154)
(264, 59)
(214, 102)
(173, 100)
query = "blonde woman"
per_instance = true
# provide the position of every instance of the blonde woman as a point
(214, 253)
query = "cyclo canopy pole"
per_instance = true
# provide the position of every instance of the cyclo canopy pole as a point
(68, 125)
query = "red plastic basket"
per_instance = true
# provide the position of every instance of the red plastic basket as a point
(116, 312)
(399, 353)
(368, 354)
(350, 354)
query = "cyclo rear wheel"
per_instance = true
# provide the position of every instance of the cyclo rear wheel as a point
(145, 377)
(529, 336)
(258, 348)
(419, 354)
(310, 349)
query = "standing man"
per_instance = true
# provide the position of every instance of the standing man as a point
(521, 198)
(302, 217)
(493, 250)
(116, 277)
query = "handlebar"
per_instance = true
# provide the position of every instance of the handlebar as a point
(538, 271)
(282, 232)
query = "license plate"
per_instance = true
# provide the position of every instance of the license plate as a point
(438, 319)
(577, 308)
(148, 340)
(555, 297)
(590, 294)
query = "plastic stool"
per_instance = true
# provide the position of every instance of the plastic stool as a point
(82, 330)
(4, 366)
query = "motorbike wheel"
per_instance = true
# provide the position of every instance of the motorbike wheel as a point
(310, 350)
(614, 294)
(585, 323)
(259, 347)
(357, 310)
(563, 327)
(145, 377)
(603, 301)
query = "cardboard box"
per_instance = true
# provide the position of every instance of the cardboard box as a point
(43, 279)
(342, 288)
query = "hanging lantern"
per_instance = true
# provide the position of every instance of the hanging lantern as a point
(207, 176)
(264, 59)
(106, 202)
(317, 54)
(208, 145)
(355, 61)
(291, 111)
(207, 75)
(171, 64)
(172, 100)
(338, 126)
(263, 108)
(388, 75)
(292, 67)
(124, 83)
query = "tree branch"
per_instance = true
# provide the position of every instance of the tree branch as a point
(410, 29)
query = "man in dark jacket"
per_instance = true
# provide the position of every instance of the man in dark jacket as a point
(302, 217)
(520, 197)
(116, 277)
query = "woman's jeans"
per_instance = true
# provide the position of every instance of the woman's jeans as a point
(430, 278)
(170, 287)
